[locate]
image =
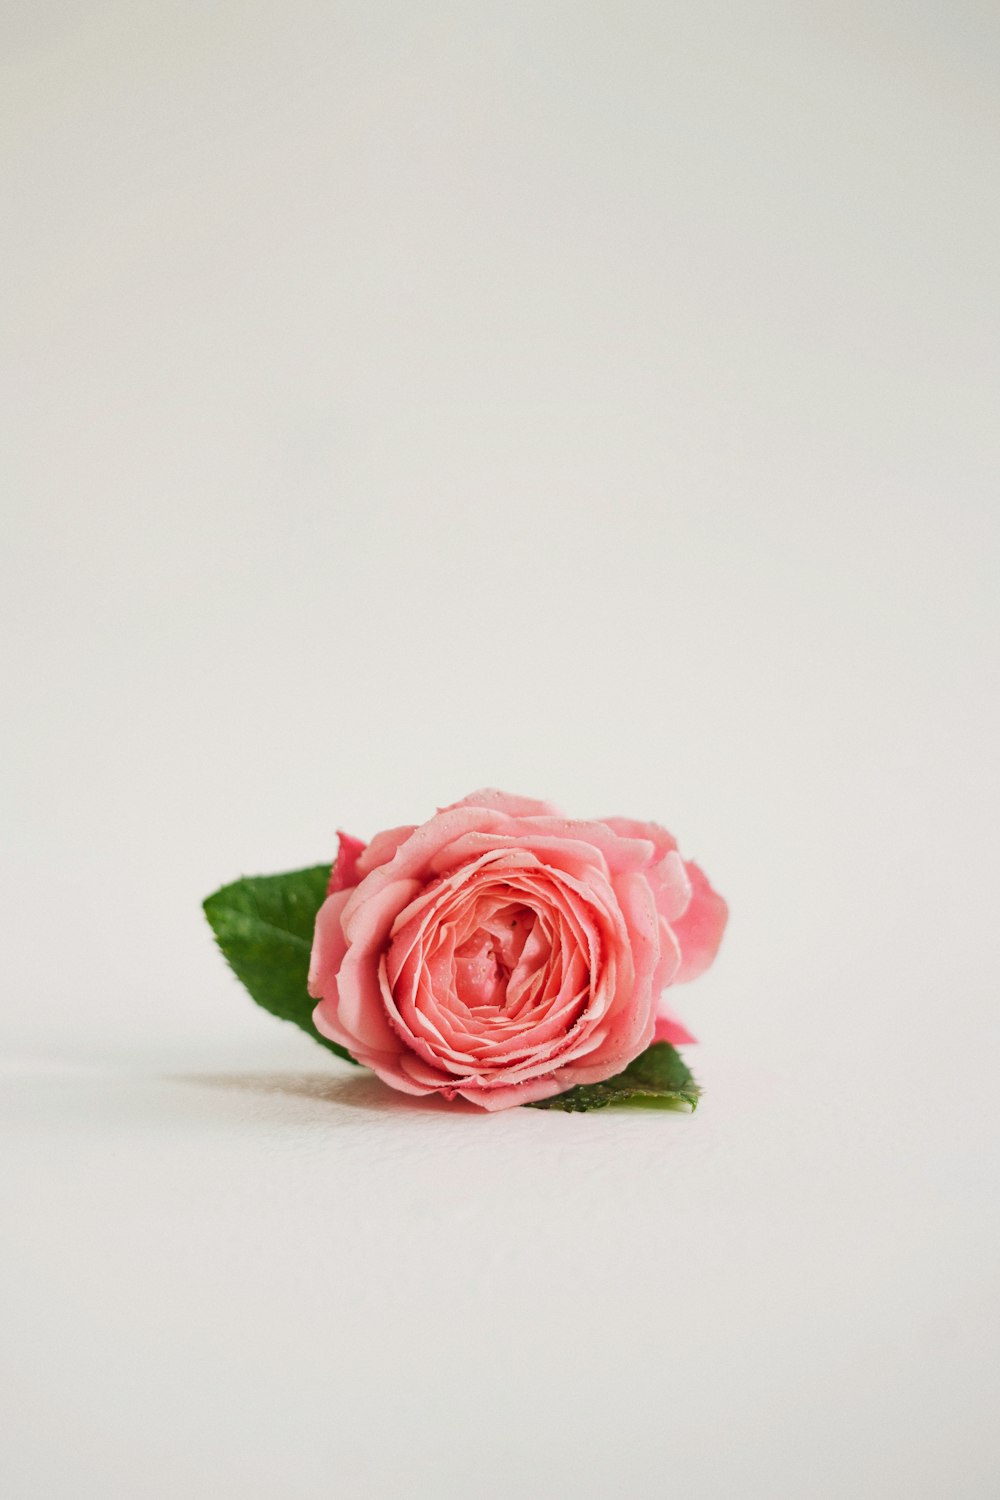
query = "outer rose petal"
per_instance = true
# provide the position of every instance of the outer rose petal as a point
(670, 958)
(514, 807)
(329, 945)
(506, 1096)
(382, 847)
(670, 1029)
(344, 874)
(632, 828)
(699, 931)
(671, 886)
(570, 847)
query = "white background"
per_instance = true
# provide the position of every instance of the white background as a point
(595, 400)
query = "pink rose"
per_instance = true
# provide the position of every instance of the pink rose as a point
(504, 953)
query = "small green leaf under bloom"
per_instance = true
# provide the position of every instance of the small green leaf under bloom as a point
(264, 927)
(658, 1078)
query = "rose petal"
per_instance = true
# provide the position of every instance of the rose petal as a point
(671, 886)
(505, 802)
(632, 828)
(670, 958)
(345, 869)
(329, 944)
(508, 1096)
(382, 848)
(359, 1008)
(699, 931)
(669, 1028)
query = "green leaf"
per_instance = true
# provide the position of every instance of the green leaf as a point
(264, 926)
(658, 1078)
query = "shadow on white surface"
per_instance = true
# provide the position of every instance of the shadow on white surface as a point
(358, 1091)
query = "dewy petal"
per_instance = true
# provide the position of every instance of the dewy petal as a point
(506, 802)
(573, 847)
(412, 856)
(610, 1063)
(635, 900)
(506, 1096)
(571, 855)
(621, 851)
(422, 1037)
(632, 1008)
(632, 828)
(382, 848)
(699, 931)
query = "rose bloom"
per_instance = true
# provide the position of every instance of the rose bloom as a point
(503, 953)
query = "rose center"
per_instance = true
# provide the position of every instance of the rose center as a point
(484, 963)
(480, 974)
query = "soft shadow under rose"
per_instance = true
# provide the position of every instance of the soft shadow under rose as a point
(504, 953)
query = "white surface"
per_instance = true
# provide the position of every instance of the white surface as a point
(597, 401)
(280, 1282)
